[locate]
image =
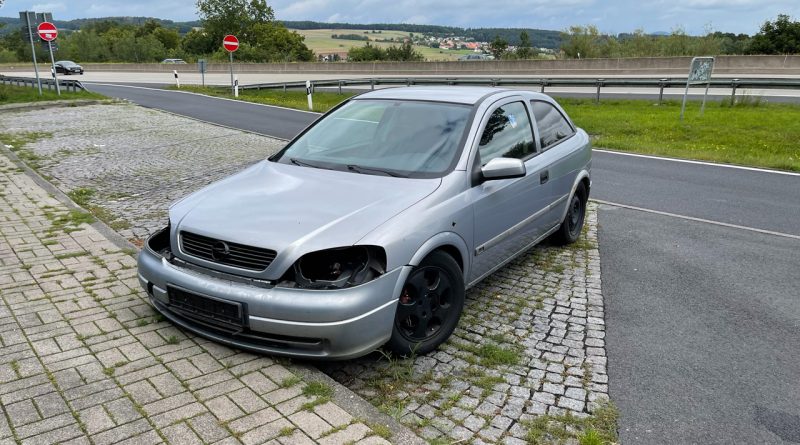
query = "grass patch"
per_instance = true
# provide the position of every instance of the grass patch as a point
(64, 256)
(752, 132)
(288, 382)
(318, 389)
(599, 428)
(12, 94)
(323, 101)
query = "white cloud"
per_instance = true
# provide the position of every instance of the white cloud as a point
(608, 15)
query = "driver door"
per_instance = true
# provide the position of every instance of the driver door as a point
(505, 211)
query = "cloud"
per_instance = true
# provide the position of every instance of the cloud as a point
(609, 15)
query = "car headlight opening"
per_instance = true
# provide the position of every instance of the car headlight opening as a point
(339, 268)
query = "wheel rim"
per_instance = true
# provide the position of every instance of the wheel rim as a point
(575, 216)
(426, 304)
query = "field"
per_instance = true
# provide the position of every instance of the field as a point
(320, 41)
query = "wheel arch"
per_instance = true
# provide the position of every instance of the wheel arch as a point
(449, 242)
(582, 178)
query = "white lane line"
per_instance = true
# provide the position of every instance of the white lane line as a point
(691, 218)
(688, 161)
(204, 95)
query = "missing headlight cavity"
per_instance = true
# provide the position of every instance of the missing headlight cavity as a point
(159, 243)
(338, 268)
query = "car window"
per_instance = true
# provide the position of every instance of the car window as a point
(553, 126)
(404, 137)
(507, 134)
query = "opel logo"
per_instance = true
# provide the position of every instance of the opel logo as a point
(220, 250)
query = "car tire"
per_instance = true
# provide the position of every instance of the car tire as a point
(571, 227)
(429, 306)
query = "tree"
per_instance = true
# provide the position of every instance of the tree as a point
(403, 53)
(221, 17)
(779, 37)
(524, 50)
(366, 53)
(581, 42)
(498, 47)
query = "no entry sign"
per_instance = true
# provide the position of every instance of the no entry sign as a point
(230, 43)
(47, 31)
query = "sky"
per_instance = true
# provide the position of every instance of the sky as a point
(610, 16)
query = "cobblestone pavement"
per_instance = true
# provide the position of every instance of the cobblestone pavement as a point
(530, 343)
(527, 362)
(133, 162)
(84, 358)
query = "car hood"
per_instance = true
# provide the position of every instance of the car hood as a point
(294, 210)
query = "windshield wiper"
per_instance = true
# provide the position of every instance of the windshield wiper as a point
(359, 168)
(300, 163)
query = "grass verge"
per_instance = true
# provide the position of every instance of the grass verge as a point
(752, 132)
(13, 94)
(323, 101)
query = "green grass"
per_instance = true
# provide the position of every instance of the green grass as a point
(599, 428)
(318, 389)
(323, 101)
(752, 133)
(13, 94)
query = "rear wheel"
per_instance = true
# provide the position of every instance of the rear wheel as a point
(570, 229)
(429, 306)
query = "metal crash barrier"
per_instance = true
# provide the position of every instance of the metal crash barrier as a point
(50, 84)
(541, 83)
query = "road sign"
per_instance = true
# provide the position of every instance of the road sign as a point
(699, 73)
(47, 31)
(230, 43)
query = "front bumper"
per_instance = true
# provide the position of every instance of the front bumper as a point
(338, 324)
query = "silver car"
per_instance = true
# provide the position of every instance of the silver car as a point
(367, 228)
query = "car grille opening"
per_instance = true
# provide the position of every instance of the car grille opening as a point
(202, 308)
(227, 253)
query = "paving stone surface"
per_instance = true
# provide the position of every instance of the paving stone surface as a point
(530, 345)
(85, 359)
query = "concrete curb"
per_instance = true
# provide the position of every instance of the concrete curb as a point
(27, 106)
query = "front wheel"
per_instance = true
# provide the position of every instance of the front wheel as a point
(570, 229)
(429, 306)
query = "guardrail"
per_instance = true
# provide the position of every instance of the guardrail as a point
(50, 84)
(542, 83)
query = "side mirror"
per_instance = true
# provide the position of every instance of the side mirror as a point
(503, 168)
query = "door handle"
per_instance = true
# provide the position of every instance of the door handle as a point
(544, 177)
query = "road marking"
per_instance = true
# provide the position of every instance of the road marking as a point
(687, 161)
(691, 218)
(201, 94)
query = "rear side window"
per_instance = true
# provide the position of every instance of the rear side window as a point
(508, 134)
(553, 126)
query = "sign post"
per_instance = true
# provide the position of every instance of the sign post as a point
(231, 44)
(308, 93)
(26, 17)
(699, 73)
(48, 32)
(201, 64)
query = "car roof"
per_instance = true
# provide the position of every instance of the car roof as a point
(469, 95)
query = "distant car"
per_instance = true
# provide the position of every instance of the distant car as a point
(178, 61)
(368, 227)
(475, 57)
(67, 67)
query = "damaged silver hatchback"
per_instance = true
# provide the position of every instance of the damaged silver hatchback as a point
(368, 227)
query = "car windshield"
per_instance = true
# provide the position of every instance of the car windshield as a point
(66, 63)
(383, 137)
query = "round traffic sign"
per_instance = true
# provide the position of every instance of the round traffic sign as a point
(47, 31)
(230, 43)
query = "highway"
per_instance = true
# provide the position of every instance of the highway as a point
(699, 266)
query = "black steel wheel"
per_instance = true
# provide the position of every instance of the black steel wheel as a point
(570, 229)
(429, 306)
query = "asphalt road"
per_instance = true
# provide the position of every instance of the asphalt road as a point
(703, 328)
(703, 320)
